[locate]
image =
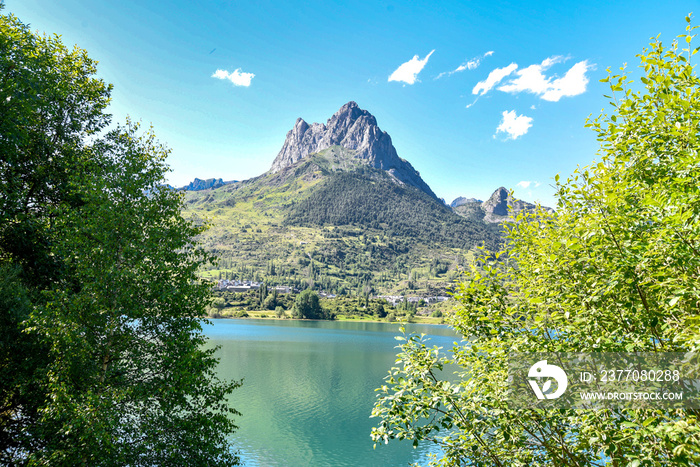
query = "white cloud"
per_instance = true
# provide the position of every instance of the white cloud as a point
(533, 80)
(237, 77)
(514, 125)
(493, 79)
(408, 72)
(468, 65)
(526, 184)
(572, 84)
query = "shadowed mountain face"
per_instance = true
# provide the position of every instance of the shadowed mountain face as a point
(369, 197)
(350, 128)
(500, 207)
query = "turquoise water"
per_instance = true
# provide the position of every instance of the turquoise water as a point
(308, 389)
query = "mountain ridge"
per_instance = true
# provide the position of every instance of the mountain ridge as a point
(332, 222)
(360, 141)
(199, 184)
(500, 207)
(351, 128)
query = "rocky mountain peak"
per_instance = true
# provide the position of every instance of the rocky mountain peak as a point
(199, 184)
(352, 128)
(498, 202)
(347, 116)
(500, 207)
(461, 200)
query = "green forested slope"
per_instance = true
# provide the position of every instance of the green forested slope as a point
(331, 222)
(367, 197)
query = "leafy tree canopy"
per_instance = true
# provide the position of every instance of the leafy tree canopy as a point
(102, 358)
(307, 306)
(615, 269)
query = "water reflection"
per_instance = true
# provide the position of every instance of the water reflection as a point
(309, 389)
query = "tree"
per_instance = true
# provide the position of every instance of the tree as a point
(615, 269)
(102, 357)
(307, 306)
(271, 300)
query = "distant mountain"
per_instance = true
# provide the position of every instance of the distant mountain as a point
(350, 128)
(500, 207)
(209, 183)
(462, 200)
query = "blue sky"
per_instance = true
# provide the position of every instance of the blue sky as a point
(222, 81)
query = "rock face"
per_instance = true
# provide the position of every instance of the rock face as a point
(462, 201)
(199, 184)
(500, 207)
(352, 128)
(498, 202)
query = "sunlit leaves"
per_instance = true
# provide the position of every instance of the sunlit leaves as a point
(101, 353)
(615, 269)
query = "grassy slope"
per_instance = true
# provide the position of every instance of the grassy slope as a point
(251, 227)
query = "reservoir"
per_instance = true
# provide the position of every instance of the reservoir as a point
(308, 389)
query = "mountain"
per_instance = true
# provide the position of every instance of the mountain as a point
(354, 129)
(462, 200)
(500, 207)
(371, 198)
(340, 211)
(333, 221)
(199, 184)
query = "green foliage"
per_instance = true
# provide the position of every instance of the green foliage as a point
(270, 303)
(368, 197)
(228, 303)
(349, 306)
(102, 355)
(615, 269)
(307, 306)
(49, 104)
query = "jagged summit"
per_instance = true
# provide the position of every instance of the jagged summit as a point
(500, 207)
(352, 128)
(199, 184)
(498, 202)
(461, 200)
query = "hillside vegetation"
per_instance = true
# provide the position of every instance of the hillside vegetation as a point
(333, 223)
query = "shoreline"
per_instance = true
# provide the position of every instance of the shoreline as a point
(256, 315)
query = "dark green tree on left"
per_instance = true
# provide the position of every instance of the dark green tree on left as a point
(102, 356)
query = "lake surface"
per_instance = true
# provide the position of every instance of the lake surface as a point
(308, 389)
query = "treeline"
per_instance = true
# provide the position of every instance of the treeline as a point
(304, 306)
